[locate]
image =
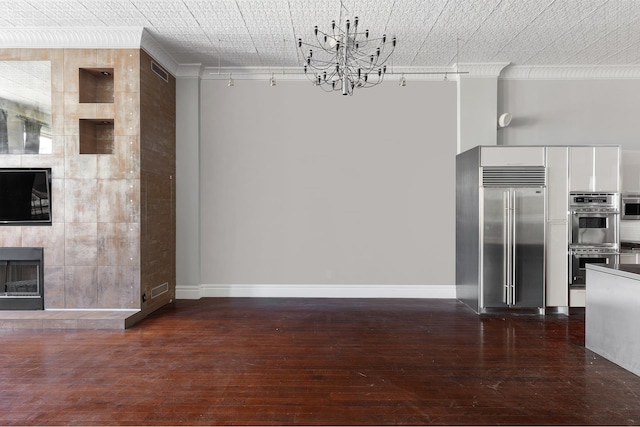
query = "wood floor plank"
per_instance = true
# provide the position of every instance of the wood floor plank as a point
(287, 361)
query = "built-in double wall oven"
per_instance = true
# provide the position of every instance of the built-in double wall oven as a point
(594, 236)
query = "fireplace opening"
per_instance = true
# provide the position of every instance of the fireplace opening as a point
(21, 279)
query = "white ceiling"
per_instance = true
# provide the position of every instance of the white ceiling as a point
(252, 33)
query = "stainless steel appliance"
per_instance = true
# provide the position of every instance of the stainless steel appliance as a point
(594, 236)
(580, 257)
(500, 235)
(629, 250)
(594, 220)
(630, 207)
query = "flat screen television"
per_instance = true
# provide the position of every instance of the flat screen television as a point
(25, 196)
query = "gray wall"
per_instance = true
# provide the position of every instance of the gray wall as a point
(566, 112)
(187, 182)
(299, 186)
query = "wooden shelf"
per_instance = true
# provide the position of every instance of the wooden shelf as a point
(96, 85)
(96, 136)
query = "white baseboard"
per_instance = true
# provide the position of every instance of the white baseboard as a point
(317, 291)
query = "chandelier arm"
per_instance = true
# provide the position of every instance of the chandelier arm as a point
(322, 64)
(383, 52)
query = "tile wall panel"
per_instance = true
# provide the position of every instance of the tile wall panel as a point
(48, 238)
(11, 237)
(126, 71)
(95, 248)
(54, 285)
(118, 200)
(118, 244)
(117, 287)
(57, 199)
(80, 286)
(79, 166)
(81, 199)
(81, 244)
(124, 162)
(127, 117)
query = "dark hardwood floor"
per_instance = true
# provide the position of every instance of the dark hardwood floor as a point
(316, 361)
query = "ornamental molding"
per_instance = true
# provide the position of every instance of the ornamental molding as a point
(71, 37)
(86, 38)
(482, 70)
(189, 71)
(139, 37)
(158, 52)
(571, 72)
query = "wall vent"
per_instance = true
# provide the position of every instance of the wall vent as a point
(159, 290)
(160, 71)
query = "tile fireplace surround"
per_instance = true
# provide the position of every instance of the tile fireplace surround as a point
(109, 253)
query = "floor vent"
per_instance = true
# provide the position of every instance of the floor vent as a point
(160, 71)
(159, 290)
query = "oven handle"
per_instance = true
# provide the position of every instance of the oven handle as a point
(593, 212)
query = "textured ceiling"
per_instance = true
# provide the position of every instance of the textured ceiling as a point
(430, 33)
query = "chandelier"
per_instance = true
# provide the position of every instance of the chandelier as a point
(346, 59)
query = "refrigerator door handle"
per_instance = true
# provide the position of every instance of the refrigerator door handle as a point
(513, 250)
(506, 260)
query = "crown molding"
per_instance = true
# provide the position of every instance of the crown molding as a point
(188, 71)
(86, 38)
(71, 37)
(570, 72)
(482, 70)
(139, 37)
(157, 52)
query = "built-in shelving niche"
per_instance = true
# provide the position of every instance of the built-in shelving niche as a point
(96, 85)
(96, 136)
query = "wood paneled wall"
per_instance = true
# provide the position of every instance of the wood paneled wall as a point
(157, 186)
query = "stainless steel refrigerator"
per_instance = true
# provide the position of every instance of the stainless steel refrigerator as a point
(500, 234)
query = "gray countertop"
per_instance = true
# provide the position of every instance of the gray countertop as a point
(631, 271)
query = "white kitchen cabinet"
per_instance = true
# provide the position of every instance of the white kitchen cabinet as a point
(512, 156)
(557, 183)
(607, 169)
(557, 239)
(594, 169)
(557, 268)
(577, 297)
(630, 167)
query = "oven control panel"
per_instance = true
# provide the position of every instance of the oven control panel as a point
(591, 199)
(595, 202)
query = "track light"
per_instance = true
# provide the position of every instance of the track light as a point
(272, 81)
(403, 81)
(230, 82)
